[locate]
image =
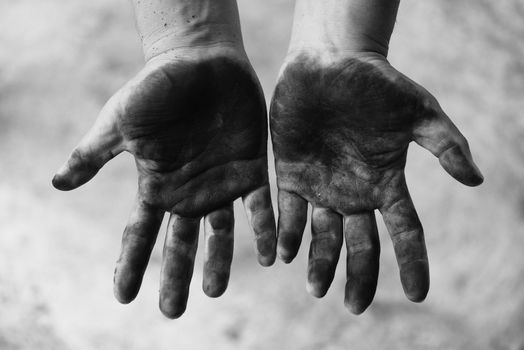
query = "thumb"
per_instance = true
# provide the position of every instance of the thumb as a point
(99, 145)
(441, 137)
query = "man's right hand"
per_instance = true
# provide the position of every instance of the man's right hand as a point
(195, 120)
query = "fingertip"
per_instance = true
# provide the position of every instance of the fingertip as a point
(356, 307)
(418, 297)
(125, 285)
(417, 294)
(71, 179)
(171, 309)
(467, 174)
(316, 289)
(124, 296)
(213, 286)
(360, 293)
(266, 245)
(212, 292)
(415, 280)
(60, 183)
(477, 177)
(476, 181)
(125, 290)
(357, 310)
(288, 245)
(172, 315)
(285, 255)
(266, 260)
(62, 179)
(458, 162)
(320, 274)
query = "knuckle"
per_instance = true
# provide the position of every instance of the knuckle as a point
(407, 235)
(362, 247)
(327, 238)
(258, 201)
(184, 235)
(152, 192)
(429, 105)
(77, 154)
(325, 244)
(180, 247)
(221, 221)
(266, 247)
(463, 142)
(81, 159)
(263, 225)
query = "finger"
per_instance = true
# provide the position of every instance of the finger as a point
(292, 217)
(218, 230)
(99, 145)
(407, 235)
(259, 211)
(177, 264)
(442, 138)
(326, 242)
(363, 249)
(137, 243)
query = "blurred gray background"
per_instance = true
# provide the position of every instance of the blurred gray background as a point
(61, 60)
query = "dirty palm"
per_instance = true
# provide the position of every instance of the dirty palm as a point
(197, 128)
(341, 125)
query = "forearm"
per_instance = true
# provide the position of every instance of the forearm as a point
(166, 25)
(353, 25)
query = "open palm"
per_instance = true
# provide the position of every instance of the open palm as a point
(196, 125)
(341, 125)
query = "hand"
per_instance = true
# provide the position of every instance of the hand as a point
(195, 121)
(341, 124)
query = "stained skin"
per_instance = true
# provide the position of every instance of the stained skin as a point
(198, 135)
(196, 125)
(341, 125)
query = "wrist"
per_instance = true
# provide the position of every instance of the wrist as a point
(172, 25)
(343, 25)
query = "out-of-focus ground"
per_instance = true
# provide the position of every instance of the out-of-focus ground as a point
(59, 62)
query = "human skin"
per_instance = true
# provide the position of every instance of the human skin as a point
(194, 118)
(341, 121)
